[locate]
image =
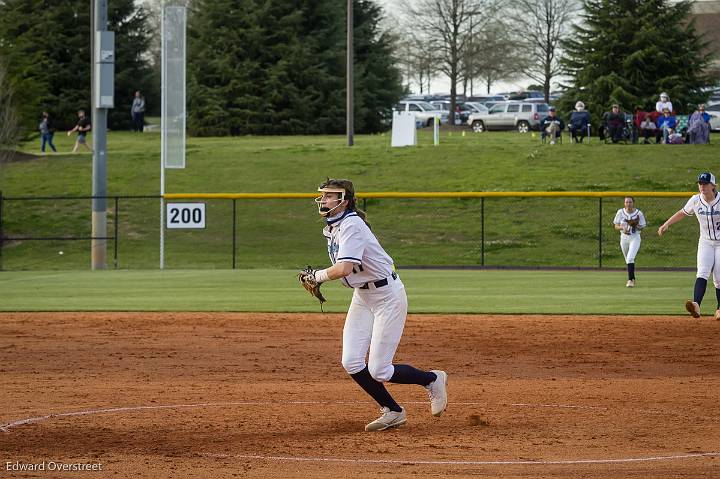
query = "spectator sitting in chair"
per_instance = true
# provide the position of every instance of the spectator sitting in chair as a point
(552, 126)
(699, 127)
(665, 123)
(647, 128)
(579, 121)
(614, 122)
(673, 137)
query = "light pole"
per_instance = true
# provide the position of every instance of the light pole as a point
(350, 126)
(102, 68)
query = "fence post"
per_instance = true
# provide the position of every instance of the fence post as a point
(364, 204)
(600, 232)
(482, 231)
(117, 219)
(234, 230)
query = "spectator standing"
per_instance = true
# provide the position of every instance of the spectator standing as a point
(699, 127)
(47, 131)
(579, 121)
(82, 128)
(138, 112)
(664, 103)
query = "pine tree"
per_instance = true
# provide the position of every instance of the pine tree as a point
(278, 67)
(378, 81)
(47, 47)
(628, 51)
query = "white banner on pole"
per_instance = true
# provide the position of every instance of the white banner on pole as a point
(174, 19)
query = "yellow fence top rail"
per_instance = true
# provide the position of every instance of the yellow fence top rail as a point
(437, 194)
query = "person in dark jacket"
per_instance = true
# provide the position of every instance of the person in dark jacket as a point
(552, 126)
(47, 131)
(613, 123)
(579, 121)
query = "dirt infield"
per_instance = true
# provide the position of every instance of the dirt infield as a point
(149, 395)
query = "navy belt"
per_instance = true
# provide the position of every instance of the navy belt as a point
(379, 283)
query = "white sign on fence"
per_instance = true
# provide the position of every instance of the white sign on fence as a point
(185, 215)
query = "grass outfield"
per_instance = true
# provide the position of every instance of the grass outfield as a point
(443, 291)
(285, 234)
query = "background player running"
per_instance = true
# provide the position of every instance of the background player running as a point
(629, 221)
(376, 317)
(706, 207)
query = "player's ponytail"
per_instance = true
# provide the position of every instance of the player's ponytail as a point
(352, 204)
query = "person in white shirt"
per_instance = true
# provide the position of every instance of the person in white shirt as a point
(376, 317)
(663, 103)
(629, 221)
(705, 206)
(647, 127)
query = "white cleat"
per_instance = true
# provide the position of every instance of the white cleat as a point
(693, 308)
(387, 420)
(630, 283)
(717, 315)
(437, 390)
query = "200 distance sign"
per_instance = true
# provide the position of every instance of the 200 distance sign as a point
(185, 215)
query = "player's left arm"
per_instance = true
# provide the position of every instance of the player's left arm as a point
(336, 271)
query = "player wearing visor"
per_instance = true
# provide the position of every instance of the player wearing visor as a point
(705, 206)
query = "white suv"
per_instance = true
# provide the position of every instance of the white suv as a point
(522, 116)
(425, 113)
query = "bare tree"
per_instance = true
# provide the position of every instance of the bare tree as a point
(8, 116)
(492, 56)
(419, 61)
(541, 24)
(444, 26)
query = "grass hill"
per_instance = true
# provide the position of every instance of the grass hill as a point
(286, 233)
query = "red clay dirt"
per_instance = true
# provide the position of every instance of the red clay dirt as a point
(264, 395)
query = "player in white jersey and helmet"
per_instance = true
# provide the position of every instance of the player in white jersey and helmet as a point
(376, 317)
(629, 221)
(706, 207)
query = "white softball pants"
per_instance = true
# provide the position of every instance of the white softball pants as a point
(708, 259)
(630, 245)
(374, 323)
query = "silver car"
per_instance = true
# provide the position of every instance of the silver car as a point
(519, 115)
(425, 113)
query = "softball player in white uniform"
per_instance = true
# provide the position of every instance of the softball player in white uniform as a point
(706, 207)
(376, 318)
(629, 235)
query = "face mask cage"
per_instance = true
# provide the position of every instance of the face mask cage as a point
(319, 200)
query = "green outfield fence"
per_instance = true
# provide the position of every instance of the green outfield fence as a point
(419, 229)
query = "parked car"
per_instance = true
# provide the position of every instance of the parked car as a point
(526, 95)
(522, 116)
(424, 111)
(714, 120)
(477, 107)
(461, 116)
(486, 98)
